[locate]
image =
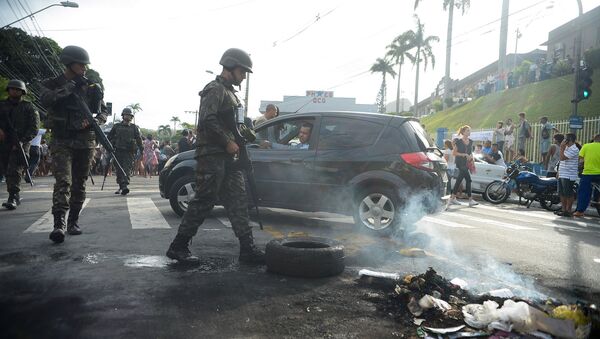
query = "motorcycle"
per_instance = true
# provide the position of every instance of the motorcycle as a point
(527, 185)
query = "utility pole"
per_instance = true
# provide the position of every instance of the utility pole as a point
(195, 120)
(448, 54)
(578, 43)
(503, 38)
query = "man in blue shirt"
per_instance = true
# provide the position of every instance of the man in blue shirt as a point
(487, 147)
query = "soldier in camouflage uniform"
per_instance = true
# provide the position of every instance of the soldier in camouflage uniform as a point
(215, 177)
(19, 123)
(73, 140)
(126, 138)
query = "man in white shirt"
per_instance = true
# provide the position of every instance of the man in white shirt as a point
(567, 173)
(34, 153)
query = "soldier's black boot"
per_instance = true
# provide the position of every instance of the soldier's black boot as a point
(124, 190)
(118, 191)
(249, 253)
(58, 234)
(178, 250)
(12, 202)
(72, 227)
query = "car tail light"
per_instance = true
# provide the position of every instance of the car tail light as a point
(418, 160)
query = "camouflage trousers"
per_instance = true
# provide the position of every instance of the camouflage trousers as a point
(12, 167)
(216, 183)
(70, 167)
(125, 158)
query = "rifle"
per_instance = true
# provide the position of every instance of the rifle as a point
(13, 132)
(100, 136)
(244, 163)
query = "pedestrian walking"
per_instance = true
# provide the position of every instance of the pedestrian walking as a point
(35, 153)
(451, 171)
(126, 139)
(215, 153)
(462, 151)
(19, 124)
(73, 139)
(590, 154)
(150, 159)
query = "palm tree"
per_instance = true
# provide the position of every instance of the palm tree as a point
(423, 53)
(164, 130)
(398, 50)
(384, 67)
(449, 6)
(175, 120)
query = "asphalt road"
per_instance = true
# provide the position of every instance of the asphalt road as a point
(114, 280)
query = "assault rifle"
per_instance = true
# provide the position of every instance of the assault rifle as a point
(100, 136)
(233, 121)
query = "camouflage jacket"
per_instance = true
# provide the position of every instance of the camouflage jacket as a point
(65, 117)
(218, 100)
(20, 118)
(126, 137)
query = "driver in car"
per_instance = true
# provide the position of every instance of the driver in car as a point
(303, 136)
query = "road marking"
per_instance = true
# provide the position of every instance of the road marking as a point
(493, 222)
(543, 215)
(144, 214)
(46, 222)
(444, 222)
(596, 260)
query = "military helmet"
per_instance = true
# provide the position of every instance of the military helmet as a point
(234, 57)
(18, 84)
(127, 110)
(71, 54)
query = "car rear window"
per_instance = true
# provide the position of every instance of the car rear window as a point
(347, 133)
(421, 135)
(407, 138)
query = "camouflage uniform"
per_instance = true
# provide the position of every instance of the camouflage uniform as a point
(20, 122)
(126, 139)
(216, 180)
(72, 146)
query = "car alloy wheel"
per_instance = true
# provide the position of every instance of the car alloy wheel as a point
(377, 211)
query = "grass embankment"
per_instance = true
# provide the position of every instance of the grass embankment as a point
(551, 98)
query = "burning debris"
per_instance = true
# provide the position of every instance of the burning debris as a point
(436, 307)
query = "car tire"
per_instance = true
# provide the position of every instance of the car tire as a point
(502, 192)
(307, 257)
(385, 220)
(181, 192)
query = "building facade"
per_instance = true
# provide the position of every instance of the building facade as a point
(317, 101)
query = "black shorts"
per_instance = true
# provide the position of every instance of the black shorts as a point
(566, 187)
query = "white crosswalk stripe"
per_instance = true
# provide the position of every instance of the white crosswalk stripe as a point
(543, 215)
(144, 214)
(487, 221)
(46, 222)
(439, 221)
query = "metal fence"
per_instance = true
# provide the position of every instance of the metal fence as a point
(591, 127)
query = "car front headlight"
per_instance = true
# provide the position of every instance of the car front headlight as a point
(170, 161)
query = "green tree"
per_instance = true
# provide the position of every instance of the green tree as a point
(449, 6)
(164, 131)
(398, 51)
(423, 53)
(175, 120)
(384, 67)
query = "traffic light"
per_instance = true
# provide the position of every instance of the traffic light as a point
(584, 85)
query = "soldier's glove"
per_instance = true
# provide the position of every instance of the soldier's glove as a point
(66, 90)
(247, 133)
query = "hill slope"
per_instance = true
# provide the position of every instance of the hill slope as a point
(550, 98)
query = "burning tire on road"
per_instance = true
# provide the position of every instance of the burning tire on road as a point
(307, 257)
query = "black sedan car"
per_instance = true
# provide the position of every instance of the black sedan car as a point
(364, 164)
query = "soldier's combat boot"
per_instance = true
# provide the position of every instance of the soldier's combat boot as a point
(118, 191)
(124, 190)
(178, 250)
(72, 227)
(58, 234)
(249, 253)
(12, 202)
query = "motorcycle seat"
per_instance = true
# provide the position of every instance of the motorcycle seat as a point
(548, 180)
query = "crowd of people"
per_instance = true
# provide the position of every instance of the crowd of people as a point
(561, 156)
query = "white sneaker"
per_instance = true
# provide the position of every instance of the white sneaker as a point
(454, 202)
(473, 203)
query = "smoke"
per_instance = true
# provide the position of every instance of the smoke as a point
(482, 272)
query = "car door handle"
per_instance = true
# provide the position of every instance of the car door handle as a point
(296, 159)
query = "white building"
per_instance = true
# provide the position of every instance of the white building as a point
(317, 101)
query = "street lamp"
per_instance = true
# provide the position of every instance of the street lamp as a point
(62, 3)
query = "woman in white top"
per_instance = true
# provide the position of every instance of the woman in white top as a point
(509, 140)
(451, 164)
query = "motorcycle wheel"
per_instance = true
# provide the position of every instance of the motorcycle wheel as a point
(549, 205)
(497, 192)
